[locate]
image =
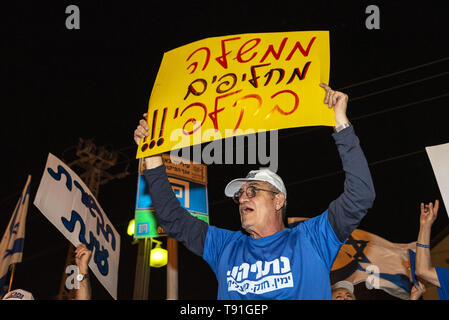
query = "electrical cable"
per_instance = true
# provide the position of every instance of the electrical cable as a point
(393, 74)
(374, 93)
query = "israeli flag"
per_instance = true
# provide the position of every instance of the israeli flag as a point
(11, 246)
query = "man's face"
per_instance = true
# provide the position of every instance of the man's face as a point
(342, 294)
(258, 211)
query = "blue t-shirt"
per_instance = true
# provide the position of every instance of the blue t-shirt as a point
(291, 264)
(443, 278)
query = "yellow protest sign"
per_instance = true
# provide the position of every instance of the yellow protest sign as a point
(227, 86)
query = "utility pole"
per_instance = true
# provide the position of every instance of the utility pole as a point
(142, 277)
(94, 161)
(172, 269)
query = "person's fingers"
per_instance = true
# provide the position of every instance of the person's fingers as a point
(143, 131)
(144, 124)
(331, 98)
(82, 253)
(79, 250)
(326, 97)
(327, 89)
(325, 86)
(336, 96)
(137, 136)
(437, 204)
(341, 96)
(140, 133)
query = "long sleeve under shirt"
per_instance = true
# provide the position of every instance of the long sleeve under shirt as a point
(291, 264)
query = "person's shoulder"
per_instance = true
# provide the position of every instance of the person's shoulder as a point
(294, 222)
(225, 233)
(294, 225)
(315, 224)
(299, 222)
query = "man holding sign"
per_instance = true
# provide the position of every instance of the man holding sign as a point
(435, 275)
(271, 261)
(235, 85)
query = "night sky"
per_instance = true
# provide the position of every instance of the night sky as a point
(59, 85)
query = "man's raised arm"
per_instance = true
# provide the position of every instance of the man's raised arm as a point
(346, 212)
(177, 222)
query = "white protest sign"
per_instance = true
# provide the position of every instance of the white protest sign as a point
(439, 158)
(67, 202)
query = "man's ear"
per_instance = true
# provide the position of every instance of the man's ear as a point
(280, 200)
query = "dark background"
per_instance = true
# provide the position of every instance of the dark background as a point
(59, 85)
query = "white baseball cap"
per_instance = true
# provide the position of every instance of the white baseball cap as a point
(344, 285)
(18, 294)
(256, 175)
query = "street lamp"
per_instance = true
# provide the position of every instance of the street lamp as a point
(158, 255)
(131, 227)
(147, 257)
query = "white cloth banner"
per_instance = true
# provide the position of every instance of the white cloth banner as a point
(11, 246)
(67, 202)
(439, 158)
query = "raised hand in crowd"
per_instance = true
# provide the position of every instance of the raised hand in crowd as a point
(140, 133)
(82, 258)
(417, 291)
(424, 268)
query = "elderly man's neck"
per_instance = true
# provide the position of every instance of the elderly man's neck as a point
(256, 233)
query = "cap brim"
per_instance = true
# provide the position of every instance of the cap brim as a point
(345, 285)
(235, 185)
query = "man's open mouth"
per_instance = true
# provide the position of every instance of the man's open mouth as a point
(246, 209)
